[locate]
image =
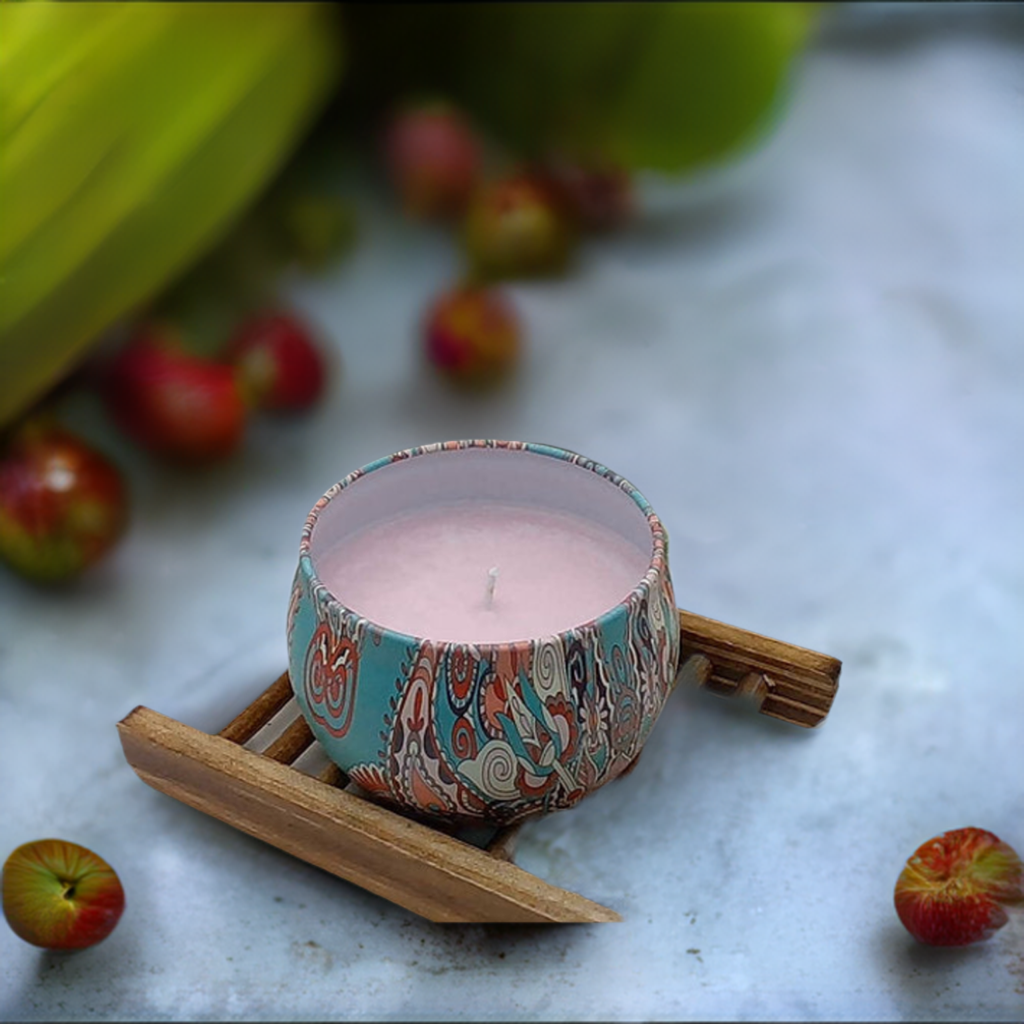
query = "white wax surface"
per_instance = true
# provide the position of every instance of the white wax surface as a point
(426, 572)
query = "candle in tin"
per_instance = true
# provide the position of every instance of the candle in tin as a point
(482, 630)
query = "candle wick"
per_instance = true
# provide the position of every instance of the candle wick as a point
(492, 582)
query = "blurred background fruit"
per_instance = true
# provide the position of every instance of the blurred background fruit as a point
(278, 365)
(667, 87)
(130, 137)
(135, 137)
(596, 199)
(433, 159)
(472, 335)
(515, 228)
(314, 227)
(63, 505)
(176, 405)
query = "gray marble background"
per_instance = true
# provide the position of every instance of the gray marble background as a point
(813, 366)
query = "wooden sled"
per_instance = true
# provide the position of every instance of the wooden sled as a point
(254, 774)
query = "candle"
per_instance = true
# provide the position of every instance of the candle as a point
(482, 630)
(483, 571)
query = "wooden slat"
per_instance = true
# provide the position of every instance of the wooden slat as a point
(417, 866)
(332, 775)
(408, 863)
(291, 743)
(788, 682)
(503, 845)
(244, 726)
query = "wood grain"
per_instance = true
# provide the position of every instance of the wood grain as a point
(504, 843)
(414, 865)
(247, 723)
(332, 775)
(291, 743)
(785, 681)
(411, 864)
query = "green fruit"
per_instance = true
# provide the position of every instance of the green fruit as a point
(668, 86)
(657, 86)
(710, 80)
(315, 228)
(131, 134)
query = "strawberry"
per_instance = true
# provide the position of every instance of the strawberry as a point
(176, 405)
(472, 335)
(63, 505)
(277, 364)
(952, 891)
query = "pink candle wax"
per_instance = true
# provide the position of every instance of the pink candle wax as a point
(482, 571)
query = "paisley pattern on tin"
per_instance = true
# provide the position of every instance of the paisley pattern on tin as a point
(491, 732)
(294, 604)
(420, 772)
(503, 731)
(371, 779)
(461, 670)
(330, 676)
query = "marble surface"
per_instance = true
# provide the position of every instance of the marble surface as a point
(813, 366)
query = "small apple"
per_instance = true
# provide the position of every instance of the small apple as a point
(315, 227)
(59, 895)
(63, 505)
(278, 366)
(952, 891)
(433, 159)
(515, 228)
(596, 198)
(177, 405)
(472, 335)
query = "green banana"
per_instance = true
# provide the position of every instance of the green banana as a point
(131, 136)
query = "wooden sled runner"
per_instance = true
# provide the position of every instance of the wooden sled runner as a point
(268, 791)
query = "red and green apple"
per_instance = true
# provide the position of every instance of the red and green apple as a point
(176, 405)
(59, 895)
(955, 888)
(278, 366)
(516, 228)
(63, 505)
(472, 336)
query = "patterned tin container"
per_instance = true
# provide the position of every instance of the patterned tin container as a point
(484, 732)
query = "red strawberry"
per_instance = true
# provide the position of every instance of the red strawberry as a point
(177, 405)
(63, 505)
(433, 159)
(516, 228)
(472, 335)
(952, 891)
(277, 364)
